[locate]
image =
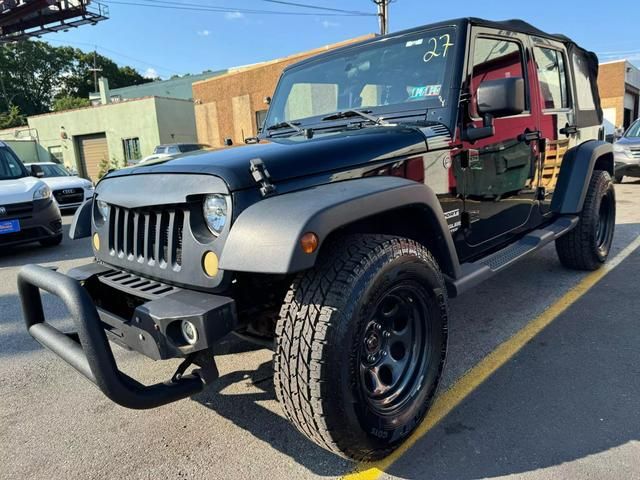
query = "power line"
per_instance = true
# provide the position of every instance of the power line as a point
(119, 54)
(208, 8)
(317, 7)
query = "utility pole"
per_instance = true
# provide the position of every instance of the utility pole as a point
(383, 15)
(95, 71)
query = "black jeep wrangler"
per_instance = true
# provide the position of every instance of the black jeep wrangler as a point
(388, 176)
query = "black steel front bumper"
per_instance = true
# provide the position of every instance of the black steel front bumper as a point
(148, 331)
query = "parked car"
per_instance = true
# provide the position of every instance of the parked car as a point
(69, 190)
(627, 153)
(27, 210)
(169, 150)
(391, 175)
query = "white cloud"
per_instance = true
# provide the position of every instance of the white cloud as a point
(203, 33)
(329, 24)
(151, 73)
(234, 15)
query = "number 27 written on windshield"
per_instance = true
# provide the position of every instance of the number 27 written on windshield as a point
(439, 47)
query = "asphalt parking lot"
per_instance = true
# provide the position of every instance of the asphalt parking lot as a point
(564, 406)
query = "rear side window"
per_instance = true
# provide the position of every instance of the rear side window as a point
(494, 59)
(552, 76)
(584, 88)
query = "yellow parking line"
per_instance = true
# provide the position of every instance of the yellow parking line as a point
(448, 400)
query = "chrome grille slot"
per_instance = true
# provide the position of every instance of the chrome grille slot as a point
(147, 236)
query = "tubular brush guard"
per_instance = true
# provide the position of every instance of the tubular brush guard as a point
(89, 351)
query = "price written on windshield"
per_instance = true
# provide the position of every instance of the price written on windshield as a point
(439, 47)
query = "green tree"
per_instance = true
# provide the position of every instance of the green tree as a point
(12, 118)
(33, 74)
(30, 74)
(68, 102)
(80, 81)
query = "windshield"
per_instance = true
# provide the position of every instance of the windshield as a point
(10, 166)
(54, 171)
(409, 72)
(634, 130)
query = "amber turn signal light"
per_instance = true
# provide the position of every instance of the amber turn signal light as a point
(309, 242)
(96, 242)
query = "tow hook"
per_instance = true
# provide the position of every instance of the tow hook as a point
(208, 371)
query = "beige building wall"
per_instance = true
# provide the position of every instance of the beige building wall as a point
(152, 120)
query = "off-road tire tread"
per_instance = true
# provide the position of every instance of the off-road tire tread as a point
(305, 318)
(576, 248)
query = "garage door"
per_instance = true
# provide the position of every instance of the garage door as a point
(93, 150)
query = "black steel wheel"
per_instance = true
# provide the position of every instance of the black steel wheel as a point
(394, 348)
(587, 246)
(360, 345)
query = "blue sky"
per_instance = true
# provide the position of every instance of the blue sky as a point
(166, 42)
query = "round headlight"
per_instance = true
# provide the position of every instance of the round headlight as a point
(103, 209)
(215, 213)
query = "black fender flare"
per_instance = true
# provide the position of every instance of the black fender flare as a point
(265, 238)
(575, 174)
(81, 224)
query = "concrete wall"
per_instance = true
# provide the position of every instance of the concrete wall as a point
(176, 121)
(28, 151)
(226, 106)
(152, 120)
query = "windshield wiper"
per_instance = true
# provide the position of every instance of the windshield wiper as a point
(281, 125)
(356, 113)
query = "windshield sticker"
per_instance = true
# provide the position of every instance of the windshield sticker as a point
(413, 43)
(426, 91)
(439, 47)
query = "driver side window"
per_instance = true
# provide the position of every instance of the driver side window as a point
(494, 59)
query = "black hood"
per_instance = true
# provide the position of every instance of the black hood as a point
(292, 157)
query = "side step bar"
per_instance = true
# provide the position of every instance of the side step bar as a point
(476, 272)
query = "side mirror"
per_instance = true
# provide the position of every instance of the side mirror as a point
(501, 98)
(496, 98)
(36, 171)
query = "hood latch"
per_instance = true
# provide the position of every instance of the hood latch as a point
(261, 176)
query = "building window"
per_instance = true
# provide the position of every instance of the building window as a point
(131, 148)
(260, 116)
(56, 153)
(552, 75)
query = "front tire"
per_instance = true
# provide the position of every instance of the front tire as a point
(587, 246)
(361, 343)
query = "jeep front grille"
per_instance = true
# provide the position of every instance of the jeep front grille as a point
(147, 236)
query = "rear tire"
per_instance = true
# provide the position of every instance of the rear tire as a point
(361, 343)
(52, 241)
(587, 246)
(618, 178)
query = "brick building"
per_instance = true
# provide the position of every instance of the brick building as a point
(233, 105)
(619, 85)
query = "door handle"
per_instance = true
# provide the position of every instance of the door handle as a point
(569, 130)
(529, 136)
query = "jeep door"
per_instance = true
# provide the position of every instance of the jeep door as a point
(498, 184)
(556, 115)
